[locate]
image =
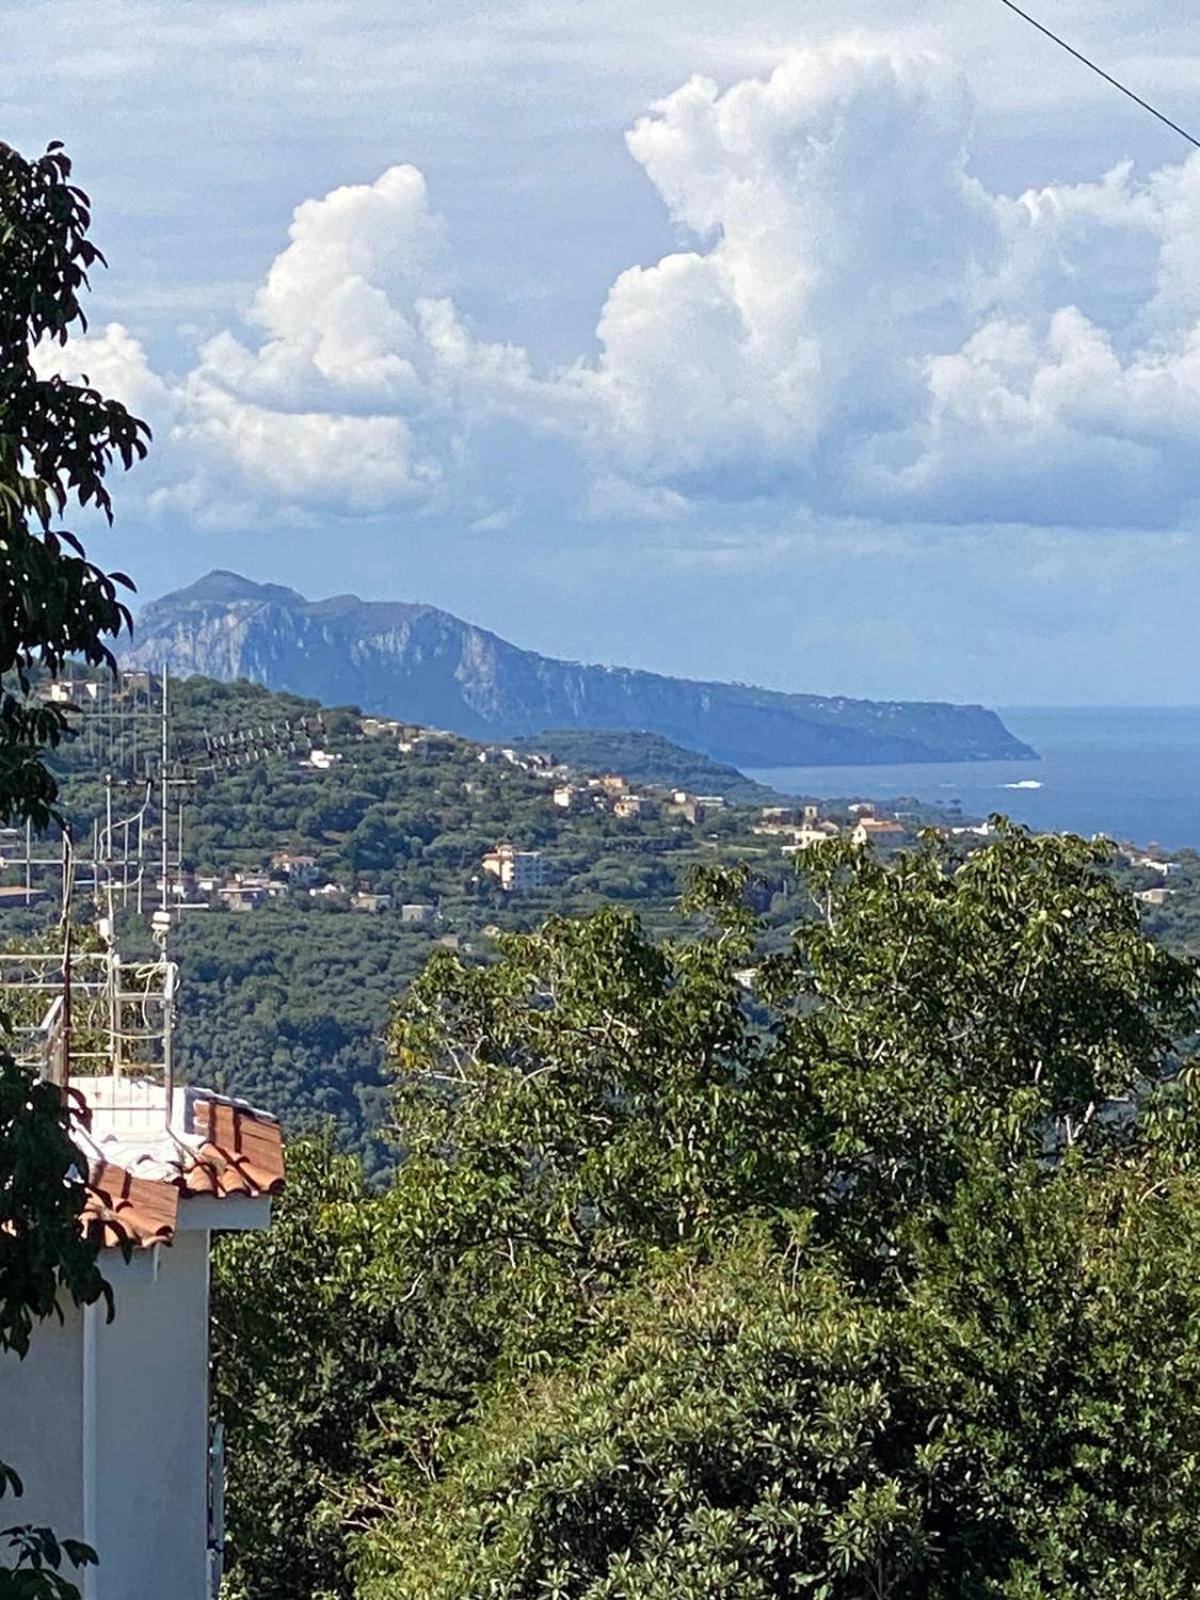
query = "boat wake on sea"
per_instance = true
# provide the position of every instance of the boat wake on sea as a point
(1024, 783)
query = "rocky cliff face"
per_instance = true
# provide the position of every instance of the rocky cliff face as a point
(423, 664)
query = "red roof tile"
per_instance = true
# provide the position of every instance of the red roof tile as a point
(242, 1153)
(120, 1209)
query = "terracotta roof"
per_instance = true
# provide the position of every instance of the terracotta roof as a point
(229, 1151)
(242, 1153)
(119, 1209)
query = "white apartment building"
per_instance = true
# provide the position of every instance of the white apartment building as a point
(517, 870)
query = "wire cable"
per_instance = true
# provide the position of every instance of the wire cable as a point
(1100, 72)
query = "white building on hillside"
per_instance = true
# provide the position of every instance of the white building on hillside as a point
(877, 830)
(517, 870)
(806, 838)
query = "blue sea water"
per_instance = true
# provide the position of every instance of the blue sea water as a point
(1129, 773)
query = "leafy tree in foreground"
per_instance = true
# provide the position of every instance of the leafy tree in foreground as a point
(753, 1425)
(302, 1359)
(465, 1268)
(57, 441)
(876, 1278)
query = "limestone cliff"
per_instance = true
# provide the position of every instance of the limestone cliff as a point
(416, 662)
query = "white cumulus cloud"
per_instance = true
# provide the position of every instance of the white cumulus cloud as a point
(862, 326)
(851, 322)
(837, 233)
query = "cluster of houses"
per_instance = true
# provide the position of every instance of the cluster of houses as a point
(1147, 861)
(91, 691)
(517, 871)
(288, 875)
(523, 760)
(412, 738)
(611, 793)
(802, 827)
(797, 827)
(70, 692)
(1150, 863)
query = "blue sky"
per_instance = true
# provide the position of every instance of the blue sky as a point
(847, 348)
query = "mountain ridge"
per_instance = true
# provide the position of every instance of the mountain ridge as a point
(413, 660)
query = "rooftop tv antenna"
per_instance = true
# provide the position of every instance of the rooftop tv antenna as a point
(130, 855)
(77, 1005)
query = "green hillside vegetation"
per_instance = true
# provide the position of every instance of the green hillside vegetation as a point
(684, 1211)
(287, 1004)
(1176, 921)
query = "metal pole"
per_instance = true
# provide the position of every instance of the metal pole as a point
(65, 1057)
(113, 979)
(165, 801)
(168, 1033)
(108, 842)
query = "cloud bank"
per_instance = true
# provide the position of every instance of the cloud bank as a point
(852, 323)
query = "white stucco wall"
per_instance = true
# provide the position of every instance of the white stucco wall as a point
(108, 1423)
(145, 1433)
(41, 1427)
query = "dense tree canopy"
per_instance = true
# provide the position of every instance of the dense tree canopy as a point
(305, 1362)
(867, 1268)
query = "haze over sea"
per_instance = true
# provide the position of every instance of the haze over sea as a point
(1128, 772)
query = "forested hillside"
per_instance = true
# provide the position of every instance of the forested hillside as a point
(298, 882)
(648, 758)
(289, 976)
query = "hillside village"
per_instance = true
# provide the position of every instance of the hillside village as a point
(323, 854)
(460, 781)
(565, 794)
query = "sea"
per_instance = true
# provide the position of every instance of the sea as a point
(1130, 773)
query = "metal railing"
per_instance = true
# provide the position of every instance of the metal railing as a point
(92, 1015)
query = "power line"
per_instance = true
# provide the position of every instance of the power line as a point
(1108, 78)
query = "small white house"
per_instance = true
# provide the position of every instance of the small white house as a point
(1166, 869)
(1153, 897)
(805, 838)
(369, 900)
